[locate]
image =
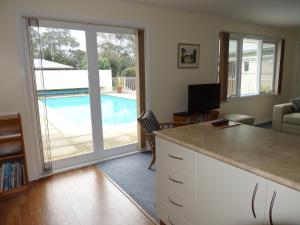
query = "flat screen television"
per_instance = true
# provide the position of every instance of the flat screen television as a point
(203, 97)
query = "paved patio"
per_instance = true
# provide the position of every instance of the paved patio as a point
(63, 147)
(67, 140)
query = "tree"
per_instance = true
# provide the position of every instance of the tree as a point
(59, 46)
(118, 49)
(115, 50)
(104, 64)
(128, 72)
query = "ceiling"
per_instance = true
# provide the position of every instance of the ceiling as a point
(284, 13)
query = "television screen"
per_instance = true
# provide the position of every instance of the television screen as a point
(203, 97)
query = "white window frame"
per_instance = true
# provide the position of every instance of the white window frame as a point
(239, 38)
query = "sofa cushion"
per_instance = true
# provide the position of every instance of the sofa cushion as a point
(296, 103)
(293, 118)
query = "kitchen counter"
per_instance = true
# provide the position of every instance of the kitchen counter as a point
(267, 153)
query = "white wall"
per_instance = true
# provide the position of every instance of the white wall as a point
(165, 29)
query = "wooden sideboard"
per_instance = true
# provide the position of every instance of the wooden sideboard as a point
(192, 118)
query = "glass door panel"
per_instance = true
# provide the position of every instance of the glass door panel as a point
(117, 75)
(62, 88)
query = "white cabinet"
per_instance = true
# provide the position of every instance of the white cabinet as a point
(194, 189)
(175, 183)
(282, 206)
(228, 195)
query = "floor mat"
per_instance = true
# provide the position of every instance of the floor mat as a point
(131, 173)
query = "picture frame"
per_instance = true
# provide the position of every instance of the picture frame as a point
(188, 55)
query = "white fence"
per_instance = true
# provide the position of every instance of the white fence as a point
(70, 79)
(128, 82)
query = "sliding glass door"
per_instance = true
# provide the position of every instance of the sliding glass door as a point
(77, 70)
(117, 70)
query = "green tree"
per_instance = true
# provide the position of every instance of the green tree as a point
(104, 64)
(118, 49)
(115, 51)
(128, 72)
(59, 46)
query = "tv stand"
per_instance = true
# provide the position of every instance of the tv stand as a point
(195, 117)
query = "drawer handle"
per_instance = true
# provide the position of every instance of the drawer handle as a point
(253, 200)
(174, 203)
(175, 157)
(271, 208)
(174, 180)
(170, 221)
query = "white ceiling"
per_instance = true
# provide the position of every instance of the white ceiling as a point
(267, 12)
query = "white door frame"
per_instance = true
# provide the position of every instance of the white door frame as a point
(31, 122)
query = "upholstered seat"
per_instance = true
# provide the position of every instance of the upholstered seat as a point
(292, 118)
(286, 119)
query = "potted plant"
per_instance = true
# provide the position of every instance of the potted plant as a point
(120, 84)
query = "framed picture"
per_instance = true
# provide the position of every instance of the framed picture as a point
(188, 55)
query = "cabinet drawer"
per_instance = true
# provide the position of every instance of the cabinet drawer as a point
(182, 204)
(177, 180)
(175, 157)
(168, 216)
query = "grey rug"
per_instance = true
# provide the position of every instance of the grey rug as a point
(131, 173)
(267, 125)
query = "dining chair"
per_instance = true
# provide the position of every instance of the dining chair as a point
(149, 124)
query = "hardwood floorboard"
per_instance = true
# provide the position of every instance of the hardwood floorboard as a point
(80, 197)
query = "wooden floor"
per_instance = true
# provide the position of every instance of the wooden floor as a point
(80, 197)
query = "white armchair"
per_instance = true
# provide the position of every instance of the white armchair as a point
(285, 119)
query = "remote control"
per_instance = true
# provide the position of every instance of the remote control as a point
(219, 122)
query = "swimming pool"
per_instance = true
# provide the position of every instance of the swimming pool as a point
(115, 110)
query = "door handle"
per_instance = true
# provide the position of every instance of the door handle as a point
(271, 208)
(253, 200)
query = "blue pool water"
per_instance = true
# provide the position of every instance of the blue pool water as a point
(115, 110)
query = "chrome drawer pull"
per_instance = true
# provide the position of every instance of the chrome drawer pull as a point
(170, 221)
(175, 157)
(271, 208)
(253, 200)
(174, 180)
(174, 203)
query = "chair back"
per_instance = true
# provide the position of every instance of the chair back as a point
(149, 124)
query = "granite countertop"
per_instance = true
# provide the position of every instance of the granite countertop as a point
(267, 153)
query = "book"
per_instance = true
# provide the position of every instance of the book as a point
(6, 177)
(1, 177)
(12, 175)
(23, 174)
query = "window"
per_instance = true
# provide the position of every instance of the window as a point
(249, 65)
(232, 70)
(246, 66)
